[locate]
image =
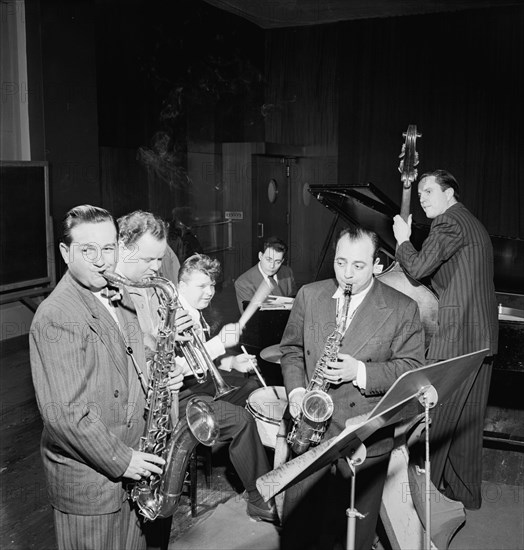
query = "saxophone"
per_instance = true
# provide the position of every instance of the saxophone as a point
(165, 434)
(317, 406)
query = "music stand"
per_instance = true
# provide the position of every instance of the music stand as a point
(424, 386)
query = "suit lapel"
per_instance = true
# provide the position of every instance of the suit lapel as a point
(369, 318)
(323, 320)
(105, 328)
(134, 339)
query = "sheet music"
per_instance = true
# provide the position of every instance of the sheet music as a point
(277, 302)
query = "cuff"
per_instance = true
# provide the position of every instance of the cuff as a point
(215, 347)
(361, 379)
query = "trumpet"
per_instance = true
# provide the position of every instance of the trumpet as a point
(193, 350)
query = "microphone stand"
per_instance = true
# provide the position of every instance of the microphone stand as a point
(428, 398)
(352, 513)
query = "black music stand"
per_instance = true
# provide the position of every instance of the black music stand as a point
(425, 386)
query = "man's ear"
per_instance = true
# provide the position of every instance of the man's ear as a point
(260, 255)
(124, 253)
(450, 193)
(64, 251)
(377, 267)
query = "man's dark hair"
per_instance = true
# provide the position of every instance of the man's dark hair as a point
(278, 245)
(84, 213)
(201, 263)
(136, 224)
(445, 180)
(357, 233)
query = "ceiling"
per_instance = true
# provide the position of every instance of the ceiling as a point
(270, 14)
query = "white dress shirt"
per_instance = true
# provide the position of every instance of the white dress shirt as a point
(214, 347)
(356, 300)
(271, 281)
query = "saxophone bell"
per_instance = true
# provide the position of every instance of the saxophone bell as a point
(202, 421)
(165, 434)
(317, 406)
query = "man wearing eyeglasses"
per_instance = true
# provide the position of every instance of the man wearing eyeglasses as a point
(269, 268)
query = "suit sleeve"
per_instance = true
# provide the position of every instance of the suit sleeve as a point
(407, 353)
(64, 375)
(292, 346)
(443, 241)
(293, 285)
(170, 266)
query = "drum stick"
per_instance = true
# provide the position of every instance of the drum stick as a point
(262, 292)
(262, 381)
(257, 372)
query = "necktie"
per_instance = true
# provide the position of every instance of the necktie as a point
(205, 328)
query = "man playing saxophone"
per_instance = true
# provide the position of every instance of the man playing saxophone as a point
(380, 338)
(142, 246)
(84, 349)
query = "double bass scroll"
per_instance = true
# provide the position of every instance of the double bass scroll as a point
(395, 276)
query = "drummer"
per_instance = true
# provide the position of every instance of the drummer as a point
(142, 246)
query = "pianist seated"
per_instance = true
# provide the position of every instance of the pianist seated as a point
(270, 268)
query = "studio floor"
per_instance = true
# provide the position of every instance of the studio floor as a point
(221, 522)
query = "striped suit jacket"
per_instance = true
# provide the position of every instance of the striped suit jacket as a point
(247, 284)
(89, 397)
(458, 257)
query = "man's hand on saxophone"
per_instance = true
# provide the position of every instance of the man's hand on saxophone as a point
(142, 465)
(176, 379)
(343, 370)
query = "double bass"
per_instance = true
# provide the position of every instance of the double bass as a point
(395, 276)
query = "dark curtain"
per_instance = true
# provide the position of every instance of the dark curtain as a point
(301, 96)
(460, 78)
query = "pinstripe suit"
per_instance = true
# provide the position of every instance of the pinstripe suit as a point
(92, 408)
(386, 334)
(458, 256)
(247, 284)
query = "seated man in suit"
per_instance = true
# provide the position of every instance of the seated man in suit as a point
(142, 246)
(270, 268)
(379, 337)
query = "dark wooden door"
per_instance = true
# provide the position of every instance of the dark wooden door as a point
(270, 200)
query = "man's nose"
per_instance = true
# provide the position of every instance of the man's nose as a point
(155, 265)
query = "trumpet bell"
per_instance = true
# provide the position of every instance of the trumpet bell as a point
(202, 421)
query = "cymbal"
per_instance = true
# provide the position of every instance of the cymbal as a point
(271, 354)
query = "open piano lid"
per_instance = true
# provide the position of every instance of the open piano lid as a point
(366, 205)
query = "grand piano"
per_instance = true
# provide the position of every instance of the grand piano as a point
(366, 205)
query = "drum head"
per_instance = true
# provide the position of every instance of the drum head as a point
(268, 404)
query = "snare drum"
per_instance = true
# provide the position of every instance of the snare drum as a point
(268, 410)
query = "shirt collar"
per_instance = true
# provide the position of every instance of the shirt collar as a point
(272, 280)
(355, 298)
